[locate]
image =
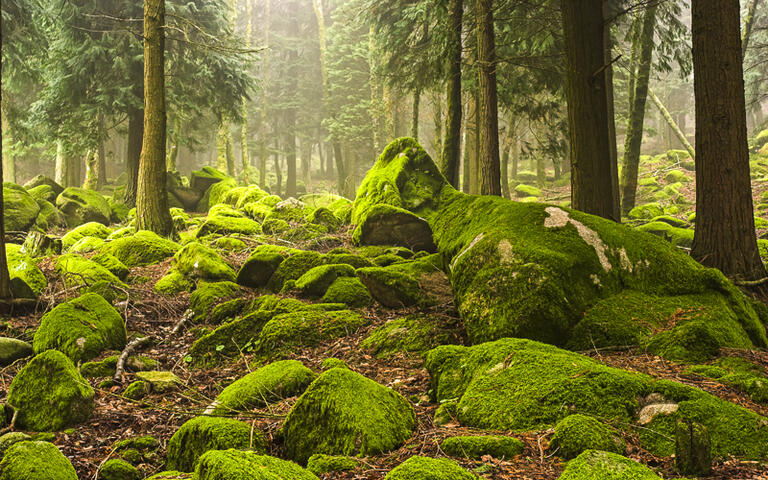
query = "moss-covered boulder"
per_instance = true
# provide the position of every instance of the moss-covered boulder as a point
(594, 464)
(388, 225)
(87, 245)
(8, 439)
(77, 270)
(577, 433)
(404, 283)
(42, 180)
(35, 461)
(221, 225)
(170, 475)
(426, 468)
(142, 248)
(305, 329)
(50, 394)
(12, 349)
(278, 380)
(117, 469)
(201, 180)
(523, 191)
(235, 464)
(201, 434)
(290, 210)
(81, 206)
(476, 447)
(320, 464)
(679, 237)
(159, 381)
(262, 263)
(414, 333)
(737, 373)
(90, 229)
(348, 290)
(49, 216)
(317, 280)
(323, 216)
(173, 283)
(27, 280)
(113, 264)
(81, 328)
(195, 260)
(293, 267)
(209, 294)
(532, 270)
(21, 208)
(344, 413)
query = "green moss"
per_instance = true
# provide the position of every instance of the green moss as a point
(77, 270)
(257, 211)
(414, 333)
(305, 329)
(209, 294)
(349, 291)
(356, 261)
(389, 287)
(87, 245)
(90, 229)
(21, 208)
(216, 193)
(259, 267)
(142, 248)
(173, 283)
(81, 328)
(103, 368)
(293, 267)
(220, 225)
(476, 447)
(275, 226)
(522, 191)
(737, 373)
(50, 394)
(116, 469)
(159, 381)
(305, 232)
(250, 194)
(49, 216)
(239, 465)
(170, 475)
(202, 434)
(195, 260)
(12, 349)
(577, 433)
(112, 264)
(81, 206)
(682, 237)
(391, 225)
(40, 180)
(344, 413)
(594, 464)
(121, 232)
(387, 259)
(22, 268)
(8, 439)
(35, 461)
(320, 464)
(278, 380)
(325, 217)
(230, 244)
(676, 176)
(330, 363)
(426, 468)
(317, 280)
(290, 210)
(136, 390)
(144, 443)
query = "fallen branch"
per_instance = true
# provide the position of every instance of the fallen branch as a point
(124, 356)
(751, 283)
(184, 319)
(12, 425)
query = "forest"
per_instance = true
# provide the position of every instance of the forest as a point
(398, 240)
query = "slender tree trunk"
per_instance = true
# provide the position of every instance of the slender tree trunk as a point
(135, 142)
(263, 150)
(505, 172)
(224, 158)
(341, 174)
(515, 154)
(667, 117)
(437, 116)
(378, 103)
(73, 169)
(468, 149)
(278, 171)
(306, 162)
(634, 138)
(91, 167)
(612, 147)
(452, 140)
(725, 226)
(9, 173)
(489, 108)
(60, 168)
(749, 23)
(541, 173)
(592, 188)
(415, 114)
(245, 159)
(5, 280)
(151, 196)
(473, 132)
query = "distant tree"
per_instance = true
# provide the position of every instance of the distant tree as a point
(5, 280)
(451, 154)
(489, 114)
(725, 227)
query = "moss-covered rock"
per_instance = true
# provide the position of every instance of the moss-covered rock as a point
(305, 329)
(113, 264)
(201, 180)
(357, 261)
(35, 461)
(81, 328)
(90, 229)
(12, 349)
(230, 244)
(221, 225)
(142, 248)
(476, 447)
(81, 206)
(344, 413)
(50, 394)
(173, 283)
(594, 464)
(317, 280)
(236, 464)
(8, 439)
(737, 373)
(523, 190)
(42, 180)
(78, 270)
(202, 434)
(349, 291)
(577, 433)
(290, 210)
(389, 225)
(136, 390)
(278, 380)
(414, 333)
(320, 464)
(21, 208)
(259, 267)
(293, 267)
(323, 216)
(195, 260)
(209, 294)
(87, 245)
(49, 216)
(27, 280)
(159, 381)
(117, 469)
(680, 237)
(400, 284)
(170, 475)
(426, 468)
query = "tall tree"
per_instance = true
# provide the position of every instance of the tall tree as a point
(451, 154)
(263, 151)
(749, 23)
(489, 114)
(593, 176)
(725, 227)
(642, 43)
(5, 280)
(152, 197)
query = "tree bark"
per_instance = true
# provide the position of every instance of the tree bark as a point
(749, 23)
(91, 170)
(473, 144)
(5, 280)
(725, 227)
(489, 109)
(452, 140)
(341, 173)
(415, 114)
(245, 159)
(593, 190)
(671, 123)
(263, 150)
(151, 196)
(639, 96)
(135, 142)
(505, 172)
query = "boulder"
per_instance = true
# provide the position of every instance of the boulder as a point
(292, 268)
(78, 270)
(349, 291)
(344, 413)
(259, 267)
(23, 461)
(317, 280)
(576, 433)
(27, 280)
(12, 349)
(201, 180)
(594, 464)
(90, 229)
(44, 192)
(476, 447)
(42, 180)
(142, 248)
(414, 333)
(388, 225)
(81, 206)
(235, 464)
(305, 329)
(50, 394)
(426, 468)
(117, 469)
(21, 208)
(195, 260)
(220, 225)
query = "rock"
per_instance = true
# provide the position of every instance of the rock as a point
(49, 216)
(43, 192)
(202, 434)
(81, 328)
(170, 475)
(113, 264)
(523, 190)
(87, 245)
(594, 464)
(681, 237)
(116, 469)
(349, 291)
(208, 294)
(275, 226)
(78, 270)
(576, 433)
(249, 194)
(293, 267)
(476, 447)
(675, 176)
(195, 260)
(326, 218)
(201, 180)
(400, 285)
(290, 210)
(12, 349)
(236, 464)
(216, 193)
(305, 329)
(388, 225)
(42, 180)
(159, 382)
(426, 468)
(219, 225)
(27, 280)
(141, 249)
(90, 229)
(136, 390)
(38, 244)
(11, 438)
(344, 413)
(276, 381)
(414, 333)
(50, 394)
(317, 280)
(23, 461)
(356, 261)
(173, 283)
(320, 464)
(259, 267)
(649, 412)
(81, 206)
(21, 208)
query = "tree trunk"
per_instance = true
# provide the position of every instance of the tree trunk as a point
(473, 130)
(671, 123)
(639, 96)
(725, 226)
(135, 142)
(5, 280)
(593, 190)
(306, 162)
(91, 167)
(749, 22)
(290, 153)
(452, 140)
(341, 174)
(415, 114)
(224, 158)
(278, 171)
(505, 172)
(489, 109)
(9, 172)
(74, 173)
(245, 159)
(515, 154)
(151, 196)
